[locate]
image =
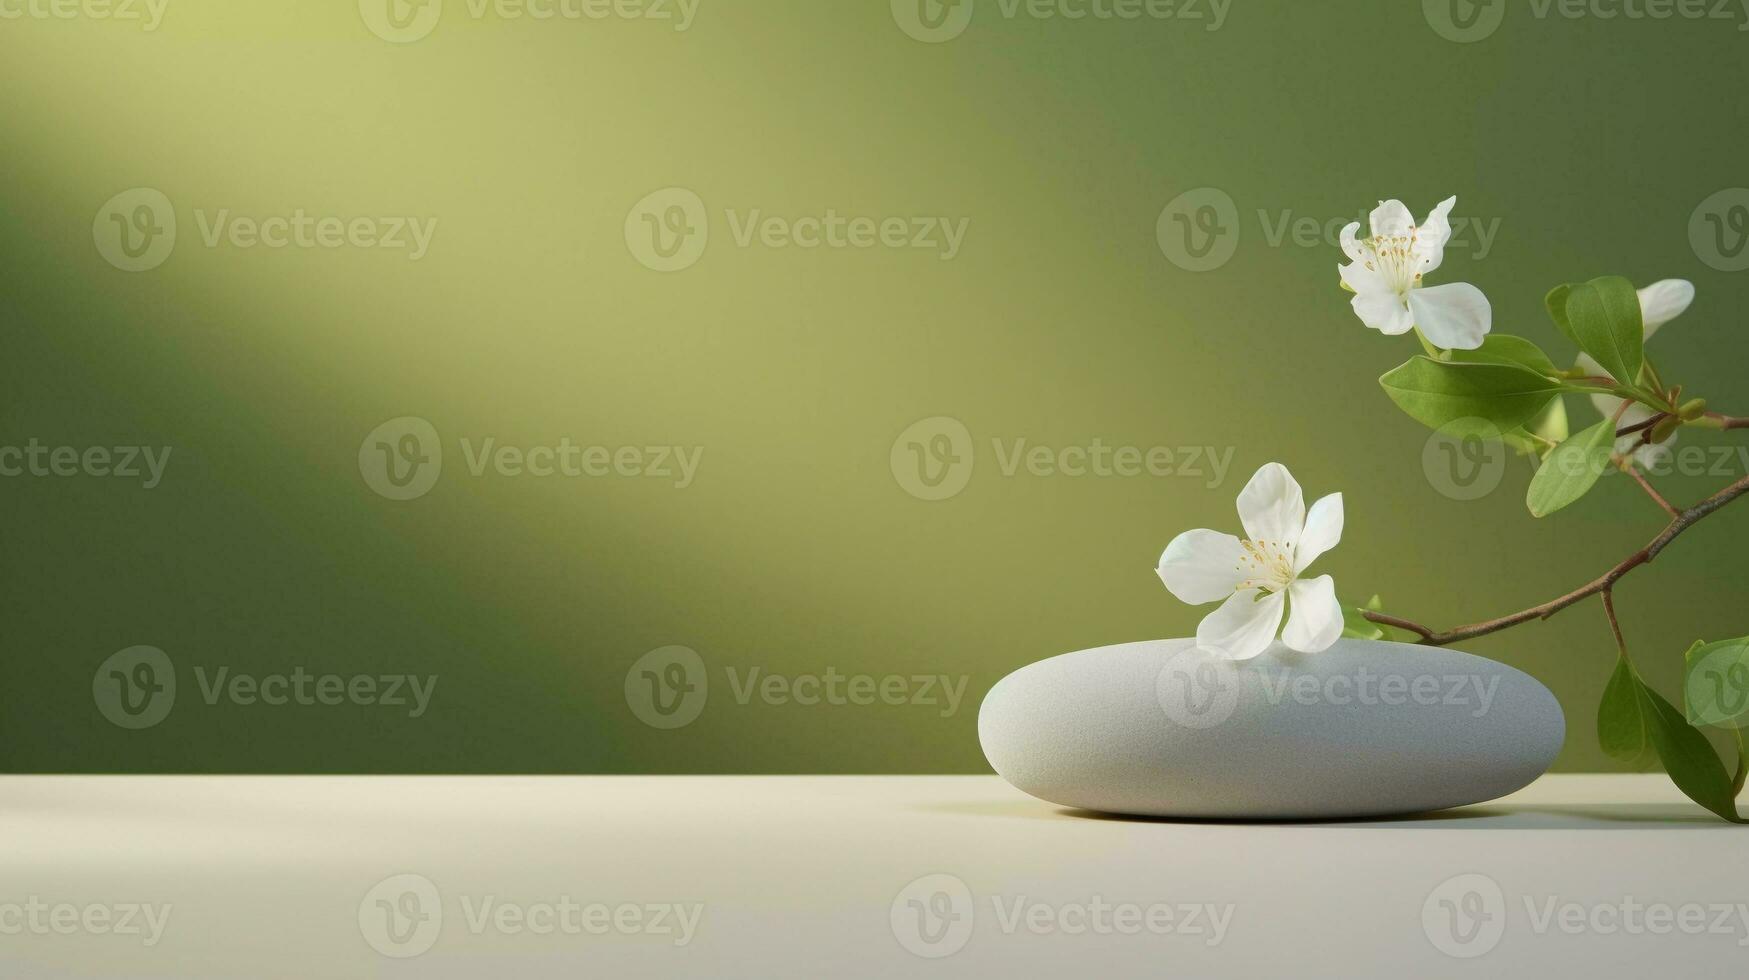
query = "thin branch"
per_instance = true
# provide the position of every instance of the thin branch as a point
(1626, 464)
(1637, 426)
(1728, 421)
(1402, 624)
(1621, 645)
(1680, 523)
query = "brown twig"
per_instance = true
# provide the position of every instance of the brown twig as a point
(1637, 426)
(1621, 645)
(1402, 624)
(1603, 583)
(1626, 465)
(1728, 421)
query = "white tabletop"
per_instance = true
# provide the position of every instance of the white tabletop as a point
(840, 876)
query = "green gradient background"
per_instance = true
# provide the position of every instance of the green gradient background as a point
(1060, 321)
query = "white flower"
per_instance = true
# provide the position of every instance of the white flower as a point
(1386, 272)
(1258, 575)
(1660, 303)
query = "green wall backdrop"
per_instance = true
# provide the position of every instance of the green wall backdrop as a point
(797, 543)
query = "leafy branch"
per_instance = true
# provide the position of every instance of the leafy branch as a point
(1602, 584)
(1505, 388)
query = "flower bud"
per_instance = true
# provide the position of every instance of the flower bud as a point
(1665, 427)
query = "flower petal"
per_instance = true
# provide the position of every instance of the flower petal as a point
(1433, 235)
(1363, 280)
(1383, 311)
(1455, 316)
(1664, 301)
(1243, 627)
(1323, 530)
(1351, 242)
(1391, 219)
(1202, 566)
(1314, 618)
(1271, 506)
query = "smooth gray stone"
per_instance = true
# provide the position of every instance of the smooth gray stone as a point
(1363, 729)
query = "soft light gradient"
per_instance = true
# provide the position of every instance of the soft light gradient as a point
(1060, 321)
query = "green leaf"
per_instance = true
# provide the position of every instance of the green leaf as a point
(1500, 348)
(1391, 633)
(1356, 626)
(1556, 301)
(1604, 316)
(1742, 778)
(1540, 435)
(1716, 683)
(1621, 725)
(1633, 719)
(1468, 398)
(1522, 443)
(1571, 470)
(1687, 756)
(1551, 422)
